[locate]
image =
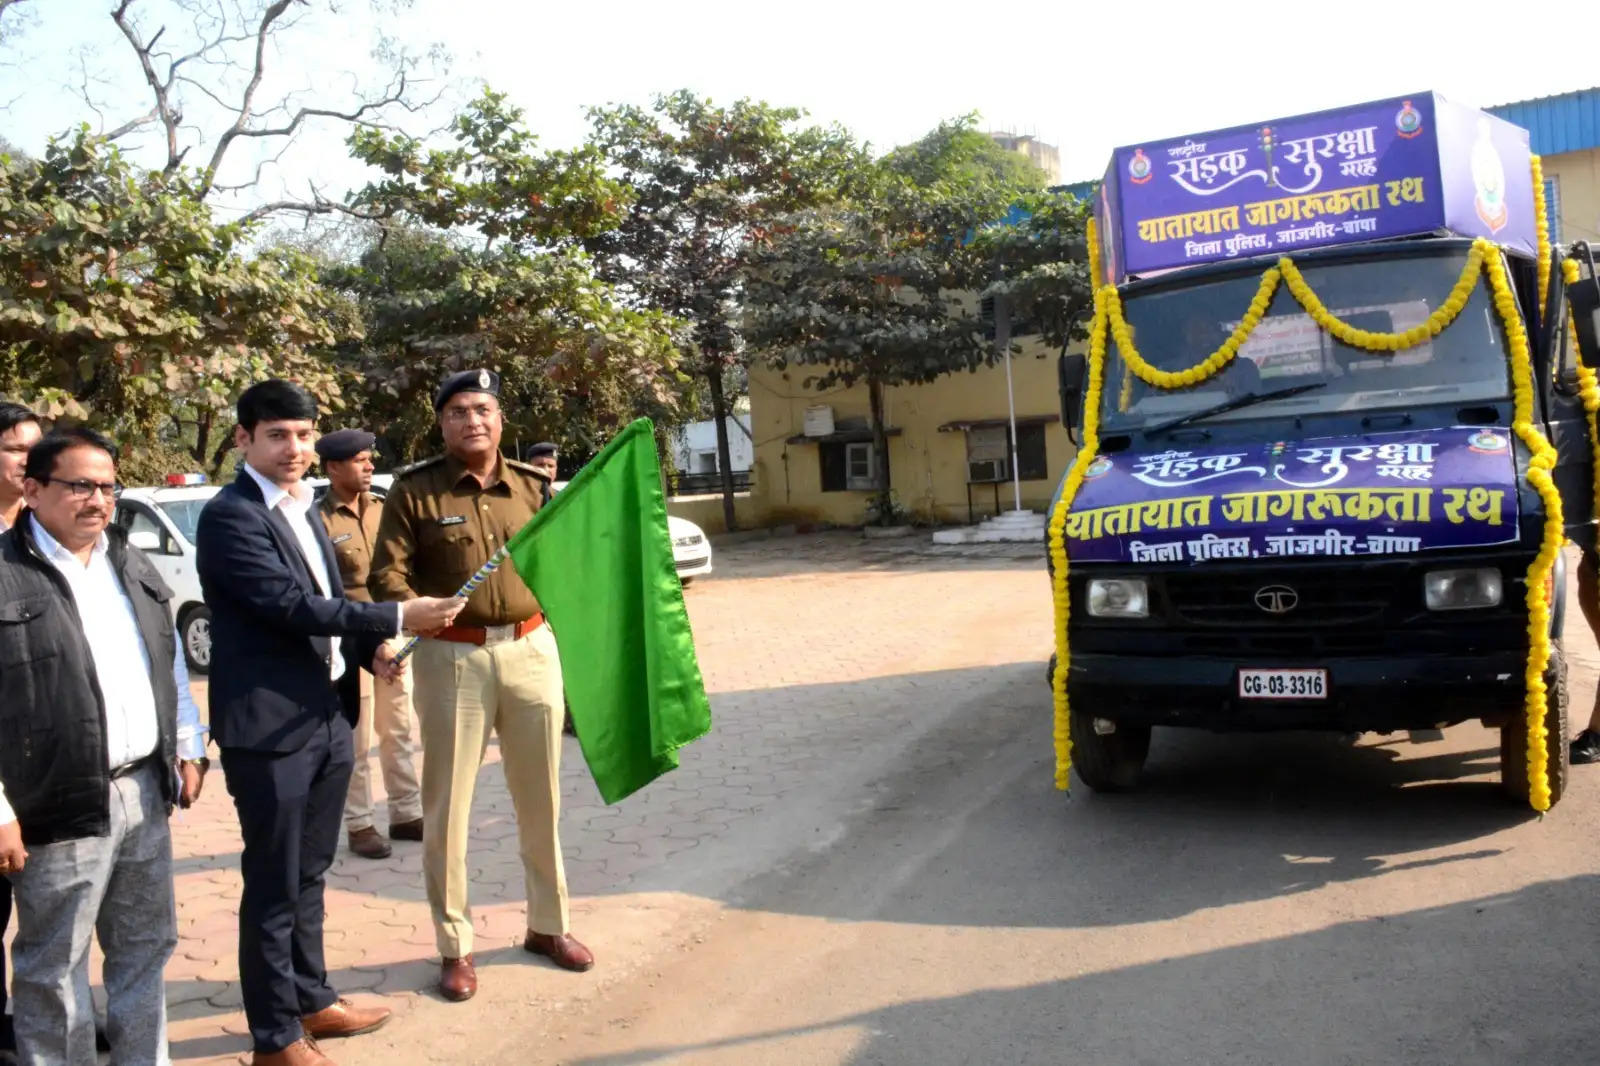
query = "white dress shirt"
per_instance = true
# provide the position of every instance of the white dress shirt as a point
(296, 506)
(121, 661)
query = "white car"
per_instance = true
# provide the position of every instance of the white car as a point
(161, 522)
(691, 550)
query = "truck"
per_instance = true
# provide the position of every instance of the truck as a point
(1332, 440)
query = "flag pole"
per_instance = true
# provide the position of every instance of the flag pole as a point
(500, 556)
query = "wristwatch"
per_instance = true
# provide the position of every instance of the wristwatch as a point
(202, 762)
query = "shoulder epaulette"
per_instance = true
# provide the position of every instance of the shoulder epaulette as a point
(422, 464)
(526, 468)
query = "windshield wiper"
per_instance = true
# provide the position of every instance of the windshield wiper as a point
(1249, 399)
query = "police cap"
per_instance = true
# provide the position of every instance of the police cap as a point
(542, 449)
(486, 381)
(344, 444)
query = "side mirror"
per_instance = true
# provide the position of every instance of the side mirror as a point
(1584, 300)
(146, 540)
(1069, 383)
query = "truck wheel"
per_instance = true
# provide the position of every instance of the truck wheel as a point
(195, 632)
(1112, 762)
(1514, 737)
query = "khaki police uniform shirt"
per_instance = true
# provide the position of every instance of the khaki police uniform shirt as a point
(353, 528)
(440, 525)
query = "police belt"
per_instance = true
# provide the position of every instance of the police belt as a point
(490, 635)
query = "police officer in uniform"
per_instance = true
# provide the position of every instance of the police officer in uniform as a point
(544, 457)
(493, 670)
(350, 513)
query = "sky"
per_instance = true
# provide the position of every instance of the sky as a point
(1084, 78)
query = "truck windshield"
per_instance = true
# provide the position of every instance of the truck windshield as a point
(1175, 328)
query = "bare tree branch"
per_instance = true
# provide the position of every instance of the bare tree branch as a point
(169, 116)
(268, 17)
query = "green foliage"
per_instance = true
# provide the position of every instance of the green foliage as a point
(872, 290)
(124, 303)
(1040, 266)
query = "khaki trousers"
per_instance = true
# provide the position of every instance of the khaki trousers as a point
(462, 693)
(386, 711)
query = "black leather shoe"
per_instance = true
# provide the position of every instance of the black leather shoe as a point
(1586, 747)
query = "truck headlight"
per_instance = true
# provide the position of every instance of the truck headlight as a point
(1119, 597)
(1459, 590)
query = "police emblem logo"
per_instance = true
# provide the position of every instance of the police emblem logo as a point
(1099, 468)
(483, 379)
(1139, 168)
(1486, 442)
(1408, 121)
(1489, 181)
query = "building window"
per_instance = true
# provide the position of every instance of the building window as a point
(1032, 464)
(989, 448)
(705, 462)
(1552, 207)
(848, 467)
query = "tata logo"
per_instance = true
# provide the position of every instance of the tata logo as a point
(1277, 599)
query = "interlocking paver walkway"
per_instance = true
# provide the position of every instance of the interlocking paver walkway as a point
(818, 651)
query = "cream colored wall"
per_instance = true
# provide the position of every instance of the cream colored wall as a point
(928, 469)
(706, 511)
(1578, 176)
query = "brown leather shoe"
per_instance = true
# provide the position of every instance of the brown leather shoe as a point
(411, 830)
(369, 844)
(344, 1018)
(562, 949)
(458, 979)
(303, 1052)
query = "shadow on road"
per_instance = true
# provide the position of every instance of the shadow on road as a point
(1473, 982)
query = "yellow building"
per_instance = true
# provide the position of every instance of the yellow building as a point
(947, 444)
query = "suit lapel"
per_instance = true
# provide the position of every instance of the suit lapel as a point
(288, 545)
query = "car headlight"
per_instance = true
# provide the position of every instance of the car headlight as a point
(1119, 597)
(1460, 590)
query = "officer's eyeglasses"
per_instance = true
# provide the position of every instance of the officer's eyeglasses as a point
(466, 414)
(84, 490)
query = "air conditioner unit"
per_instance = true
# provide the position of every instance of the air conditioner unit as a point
(986, 470)
(819, 420)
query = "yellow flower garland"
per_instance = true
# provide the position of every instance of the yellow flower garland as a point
(1108, 319)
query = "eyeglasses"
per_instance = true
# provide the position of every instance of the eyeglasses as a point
(84, 490)
(465, 414)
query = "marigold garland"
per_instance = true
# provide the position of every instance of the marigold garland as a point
(1108, 319)
(1541, 231)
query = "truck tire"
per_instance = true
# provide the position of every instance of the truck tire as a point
(1514, 737)
(195, 632)
(1110, 763)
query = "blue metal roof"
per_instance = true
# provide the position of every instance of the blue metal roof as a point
(1558, 124)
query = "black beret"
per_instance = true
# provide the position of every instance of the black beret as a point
(467, 381)
(344, 443)
(542, 449)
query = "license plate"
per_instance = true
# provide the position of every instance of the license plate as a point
(1283, 684)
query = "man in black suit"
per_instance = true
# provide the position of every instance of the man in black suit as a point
(286, 645)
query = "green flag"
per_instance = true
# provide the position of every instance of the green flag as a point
(599, 558)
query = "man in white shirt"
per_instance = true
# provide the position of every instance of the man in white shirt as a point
(286, 646)
(96, 746)
(19, 431)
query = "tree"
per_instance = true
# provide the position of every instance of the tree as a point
(576, 365)
(878, 290)
(707, 182)
(123, 302)
(478, 262)
(1039, 265)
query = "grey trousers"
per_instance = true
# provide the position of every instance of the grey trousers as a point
(118, 887)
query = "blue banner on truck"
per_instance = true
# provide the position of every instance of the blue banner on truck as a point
(1381, 494)
(1411, 165)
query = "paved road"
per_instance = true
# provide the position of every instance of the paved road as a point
(865, 863)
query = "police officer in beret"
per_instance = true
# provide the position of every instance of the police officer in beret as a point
(544, 457)
(350, 513)
(494, 669)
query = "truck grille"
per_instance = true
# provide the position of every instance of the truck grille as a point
(1332, 597)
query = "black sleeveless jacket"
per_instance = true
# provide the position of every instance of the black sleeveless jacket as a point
(52, 713)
